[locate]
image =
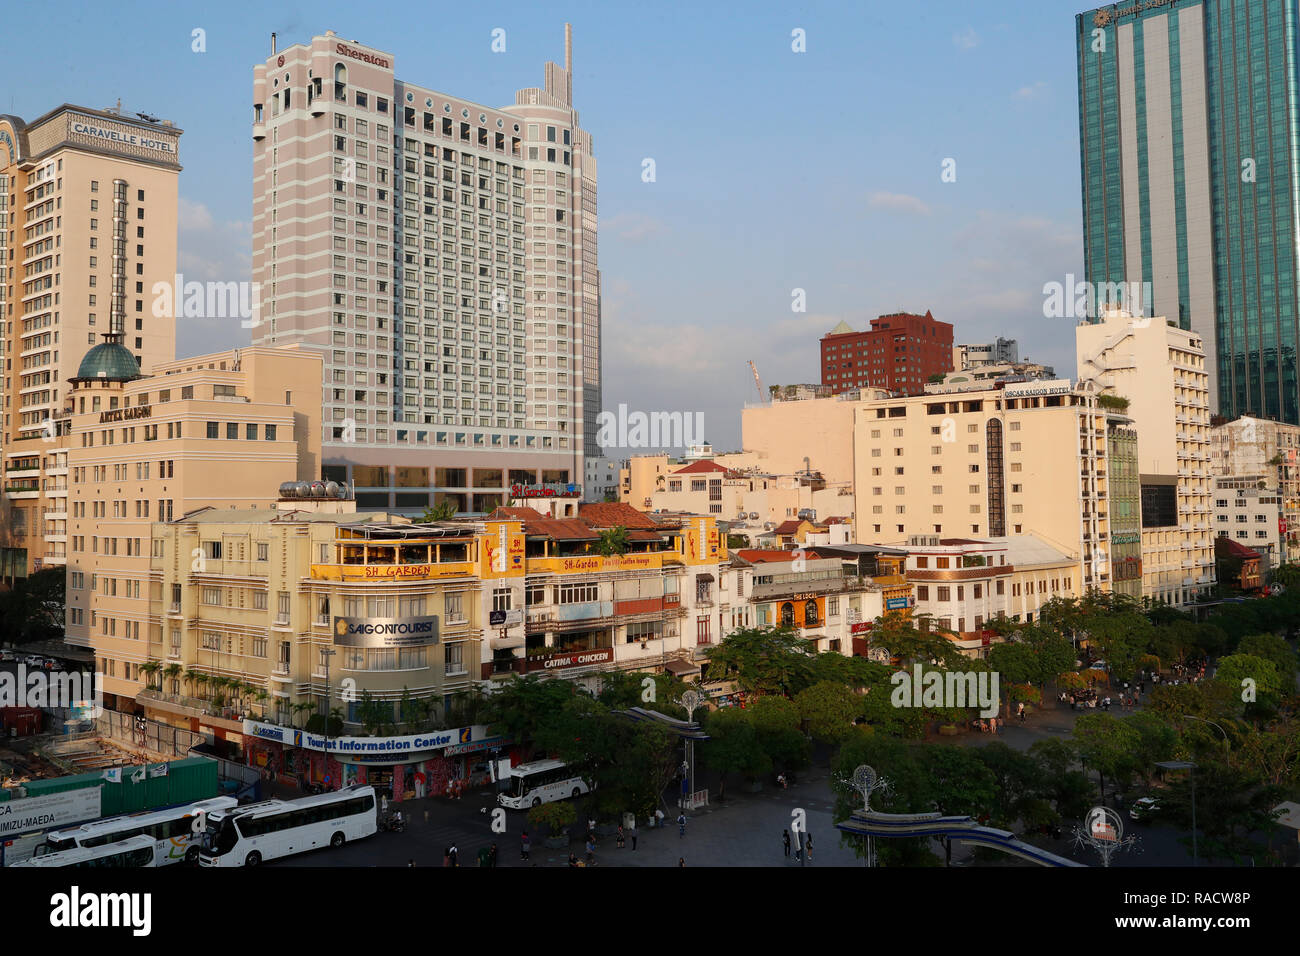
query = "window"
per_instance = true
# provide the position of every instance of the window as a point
(500, 599)
(454, 604)
(577, 593)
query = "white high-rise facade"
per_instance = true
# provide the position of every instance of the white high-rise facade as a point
(442, 256)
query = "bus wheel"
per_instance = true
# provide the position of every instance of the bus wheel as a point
(192, 855)
(576, 793)
(253, 859)
(537, 801)
(336, 840)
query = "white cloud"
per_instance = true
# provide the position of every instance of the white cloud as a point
(1033, 92)
(211, 250)
(898, 202)
(632, 227)
(967, 39)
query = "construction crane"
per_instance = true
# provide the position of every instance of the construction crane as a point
(758, 383)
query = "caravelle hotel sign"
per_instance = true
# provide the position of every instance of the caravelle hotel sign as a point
(156, 143)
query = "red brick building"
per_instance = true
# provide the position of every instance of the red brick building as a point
(899, 352)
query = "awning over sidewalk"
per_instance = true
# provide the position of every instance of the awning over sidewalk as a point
(681, 668)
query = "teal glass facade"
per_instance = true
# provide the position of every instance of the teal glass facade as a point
(1238, 61)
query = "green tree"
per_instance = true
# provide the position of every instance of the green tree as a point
(1236, 670)
(444, 510)
(776, 721)
(733, 747)
(613, 541)
(1108, 745)
(521, 706)
(763, 660)
(553, 817)
(828, 709)
(1273, 648)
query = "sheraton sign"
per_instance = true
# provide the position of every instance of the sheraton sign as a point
(344, 50)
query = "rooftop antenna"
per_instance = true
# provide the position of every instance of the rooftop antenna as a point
(272, 43)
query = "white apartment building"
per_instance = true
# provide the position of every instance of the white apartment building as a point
(1249, 512)
(1160, 370)
(441, 255)
(1260, 448)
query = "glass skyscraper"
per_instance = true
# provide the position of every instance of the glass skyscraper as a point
(1190, 148)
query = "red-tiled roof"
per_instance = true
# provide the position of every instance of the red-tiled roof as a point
(539, 525)
(788, 527)
(1224, 543)
(614, 514)
(703, 467)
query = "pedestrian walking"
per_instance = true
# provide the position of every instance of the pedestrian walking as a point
(785, 841)
(410, 863)
(525, 846)
(681, 862)
(633, 835)
(483, 858)
(446, 856)
(809, 847)
(426, 815)
(492, 856)
(383, 802)
(681, 824)
(454, 853)
(591, 851)
(619, 841)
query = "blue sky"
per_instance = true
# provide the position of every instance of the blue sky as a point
(775, 170)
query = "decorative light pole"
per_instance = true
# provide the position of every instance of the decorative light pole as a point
(690, 700)
(1103, 831)
(327, 653)
(866, 781)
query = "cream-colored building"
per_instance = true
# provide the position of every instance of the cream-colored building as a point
(1269, 450)
(218, 431)
(307, 601)
(1160, 370)
(87, 226)
(964, 583)
(1024, 459)
(754, 498)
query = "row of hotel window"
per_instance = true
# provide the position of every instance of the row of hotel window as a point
(251, 430)
(350, 658)
(944, 592)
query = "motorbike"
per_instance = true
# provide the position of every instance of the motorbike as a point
(392, 824)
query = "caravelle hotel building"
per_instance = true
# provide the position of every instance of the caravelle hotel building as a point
(441, 256)
(87, 226)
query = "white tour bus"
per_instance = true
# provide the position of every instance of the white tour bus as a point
(541, 781)
(252, 834)
(134, 851)
(177, 832)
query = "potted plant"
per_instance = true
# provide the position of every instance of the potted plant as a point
(553, 818)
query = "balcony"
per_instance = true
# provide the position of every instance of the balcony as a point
(259, 132)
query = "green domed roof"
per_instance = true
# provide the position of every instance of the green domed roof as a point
(109, 360)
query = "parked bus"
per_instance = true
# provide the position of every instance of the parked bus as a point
(134, 851)
(257, 832)
(177, 832)
(541, 781)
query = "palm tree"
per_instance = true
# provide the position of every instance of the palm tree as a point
(196, 678)
(613, 541)
(261, 696)
(150, 668)
(444, 510)
(302, 706)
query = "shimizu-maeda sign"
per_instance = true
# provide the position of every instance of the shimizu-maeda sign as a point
(385, 631)
(51, 810)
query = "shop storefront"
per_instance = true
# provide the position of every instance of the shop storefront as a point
(435, 763)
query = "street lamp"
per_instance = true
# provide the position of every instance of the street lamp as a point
(1227, 748)
(690, 700)
(327, 653)
(1191, 769)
